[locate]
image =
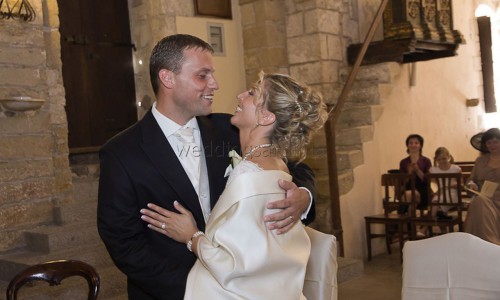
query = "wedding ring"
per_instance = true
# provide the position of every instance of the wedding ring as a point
(163, 226)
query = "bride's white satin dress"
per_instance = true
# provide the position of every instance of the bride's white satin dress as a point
(239, 258)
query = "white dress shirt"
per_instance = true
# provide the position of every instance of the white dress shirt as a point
(169, 128)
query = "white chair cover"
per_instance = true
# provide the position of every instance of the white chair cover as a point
(321, 272)
(454, 266)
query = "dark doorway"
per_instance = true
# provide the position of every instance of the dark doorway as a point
(97, 68)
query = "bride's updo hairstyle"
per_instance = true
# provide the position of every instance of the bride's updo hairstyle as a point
(300, 112)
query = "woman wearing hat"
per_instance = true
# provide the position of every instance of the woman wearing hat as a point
(483, 216)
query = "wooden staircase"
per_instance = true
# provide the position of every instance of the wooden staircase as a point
(354, 127)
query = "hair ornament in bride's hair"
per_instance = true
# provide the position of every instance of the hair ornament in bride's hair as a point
(298, 107)
(297, 104)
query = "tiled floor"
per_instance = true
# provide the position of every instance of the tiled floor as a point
(381, 280)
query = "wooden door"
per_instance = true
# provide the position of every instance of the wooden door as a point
(97, 69)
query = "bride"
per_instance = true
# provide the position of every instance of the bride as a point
(238, 256)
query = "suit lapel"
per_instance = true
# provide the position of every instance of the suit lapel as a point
(216, 148)
(163, 157)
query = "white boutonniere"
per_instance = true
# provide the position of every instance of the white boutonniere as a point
(235, 160)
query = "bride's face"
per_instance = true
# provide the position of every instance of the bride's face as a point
(246, 115)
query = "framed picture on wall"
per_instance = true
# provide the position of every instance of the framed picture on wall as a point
(216, 38)
(213, 8)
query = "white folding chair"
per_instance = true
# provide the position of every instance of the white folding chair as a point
(453, 266)
(321, 272)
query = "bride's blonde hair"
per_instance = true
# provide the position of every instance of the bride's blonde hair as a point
(299, 111)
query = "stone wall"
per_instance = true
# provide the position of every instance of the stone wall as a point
(315, 40)
(150, 21)
(264, 37)
(305, 39)
(34, 169)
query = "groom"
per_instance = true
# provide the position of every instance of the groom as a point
(141, 165)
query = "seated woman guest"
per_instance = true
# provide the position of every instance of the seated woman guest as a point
(418, 165)
(483, 215)
(238, 256)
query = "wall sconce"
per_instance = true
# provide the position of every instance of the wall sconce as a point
(471, 102)
(21, 103)
(17, 9)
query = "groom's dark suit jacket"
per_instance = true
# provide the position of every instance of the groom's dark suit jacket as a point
(138, 166)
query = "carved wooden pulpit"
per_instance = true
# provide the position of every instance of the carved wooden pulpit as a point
(414, 30)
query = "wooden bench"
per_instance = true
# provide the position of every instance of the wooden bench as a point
(466, 166)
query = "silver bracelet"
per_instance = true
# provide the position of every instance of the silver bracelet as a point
(190, 242)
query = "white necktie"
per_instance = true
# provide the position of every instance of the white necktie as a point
(189, 155)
